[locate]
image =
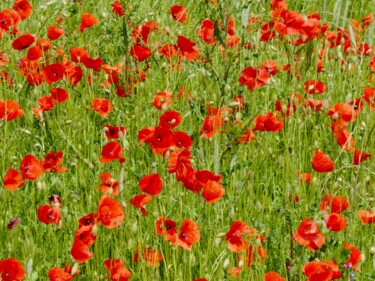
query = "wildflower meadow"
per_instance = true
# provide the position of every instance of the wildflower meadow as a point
(203, 140)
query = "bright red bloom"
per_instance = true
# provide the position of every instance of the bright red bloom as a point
(212, 191)
(151, 184)
(59, 274)
(318, 271)
(343, 113)
(90, 63)
(13, 180)
(335, 222)
(110, 212)
(117, 8)
(10, 110)
(342, 136)
(334, 204)
(59, 95)
(113, 132)
(322, 163)
(54, 33)
(31, 168)
(141, 33)
(359, 157)
(139, 201)
(207, 31)
(355, 257)
(45, 103)
(112, 151)
(367, 217)
(88, 20)
(108, 183)
(140, 52)
(11, 270)
(116, 269)
(162, 99)
(102, 106)
(80, 251)
(178, 13)
(254, 78)
(306, 177)
(77, 54)
(170, 119)
(48, 214)
(149, 255)
(273, 276)
(254, 254)
(52, 162)
(34, 53)
(267, 122)
(167, 228)
(308, 234)
(53, 72)
(314, 87)
(235, 236)
(23, 42)
(86, 235)
(13, 223)
(188, 234)
(23, 8)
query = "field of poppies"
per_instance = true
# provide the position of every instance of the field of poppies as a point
(189, 140)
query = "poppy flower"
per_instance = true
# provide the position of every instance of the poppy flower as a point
(273, 276)
(322, 163)
(34, 79)
(10, 110)
(179, 162)
(54, 33)
(52, 162)
(48, 214)
(139, 201)
(161, 140)
(112, 151)
(254, 254)
(149, 255)
(23, 42)
(110, 213)
(367, 217)
(13, 180)
(162, 100)
(359, 156)
(90, 63)
(212, 191)
(314, 87)
(59, 274)
(369, 97)
(207, 31)
(23, 8)
(308, 234)
(178, 13)
(305, 177)
(31, 168)
(46, 103)
(355, 257)
(141, 33)
(342, 113)
(167, 228)
(113, 132)
(335, 222)
(342, 136)
(108, 183)
(140, 52)
(102, 106)
(88, 220)
(117, 8)
(77, 54)
(87, 21)
(211, 125)
(34, 53)
(234, 272)
(188, 234)
(13, 223)
(116, 269)
(181, 139)
(11, 270)
(235, 236)
(267, 122)
(59, 94)
(254, 78)
(80, 251)
(334, 204)
(318, 271)
(53, 72)
(247, 136)
(151, 184)
(86, 235)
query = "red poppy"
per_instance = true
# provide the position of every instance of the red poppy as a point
(254, 254)
(308, 234)
(90, 63)
(59, 274)
(305, 177)
(207, 31)
(86, 235)
(116, 269)
(355, 257)
(141, 33)
(318, 271)
(31, 168)
(313, 104)
(334, 204)
(52, 162)
(151, 184)
(179, 162)
(271, 67)
(59, 94)
(367, 217)
(167, 228)
(117, 8)
(13, 223)
(88, 220)
(13, 180)
(48, 214)
(149, 255)
(247, 136)
(267, 122)
(77, 54)
(359, 156)
(23, 42)
(53, 72)
(342, 136)
(178, 13)
(55, 33)
(34, 53)
(188, 234)
(335, 222)
(80, 251)
(343, 113)
(45, 103)
(254, 78)
(109, 185)
(322, 163)
(112, 151)
(102, 106)
(110, 212)
(314, 87)
(113, 132)
(235, 236)
(369, 97)
(234, 272)
(162, 100)
(43, 44)
(88, 20)
(23, 8)
(11, 270)
(139, 201)
(10, 110)
(212, 191)
(211, 126)
(140, 52)
(273, 276)
(34, 79)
